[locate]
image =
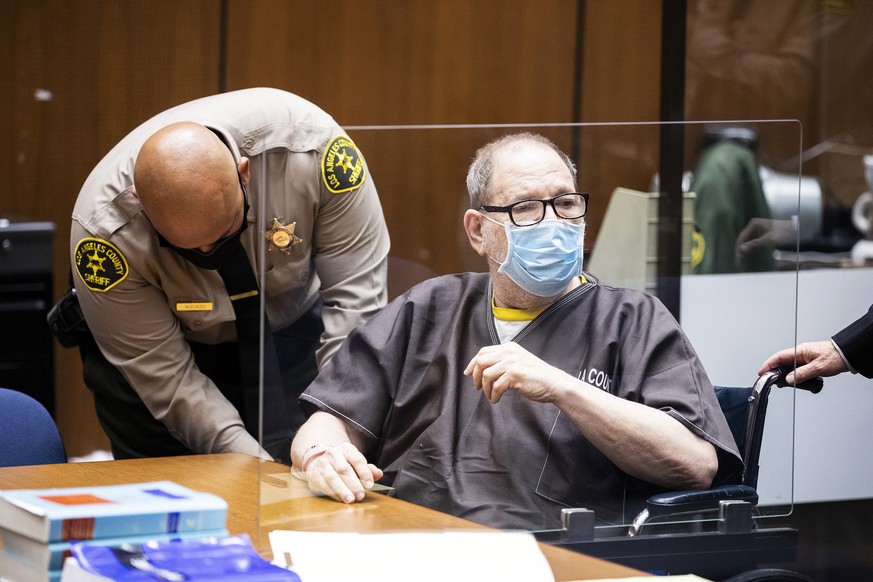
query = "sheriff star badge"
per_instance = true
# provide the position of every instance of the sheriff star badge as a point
(282, 236)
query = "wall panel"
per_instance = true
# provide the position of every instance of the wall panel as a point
(371, 62)
(621, 83)
(85, 73)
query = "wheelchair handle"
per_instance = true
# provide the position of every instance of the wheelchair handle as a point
(813, 385)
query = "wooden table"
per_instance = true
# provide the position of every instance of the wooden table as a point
(262, 497)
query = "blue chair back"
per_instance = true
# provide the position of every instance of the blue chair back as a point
(28, 433)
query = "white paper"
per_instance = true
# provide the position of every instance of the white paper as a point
(403, 556)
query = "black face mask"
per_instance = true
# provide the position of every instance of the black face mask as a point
(221, 252)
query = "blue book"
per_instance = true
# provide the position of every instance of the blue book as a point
(110, 511)
(214, 560)
(51, 556)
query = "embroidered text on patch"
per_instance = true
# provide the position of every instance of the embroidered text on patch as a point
(100, 264)
(342, 168)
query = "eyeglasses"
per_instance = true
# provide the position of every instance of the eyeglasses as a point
(530, 212)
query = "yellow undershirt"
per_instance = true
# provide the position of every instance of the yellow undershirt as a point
(510, 314)
(509, 322)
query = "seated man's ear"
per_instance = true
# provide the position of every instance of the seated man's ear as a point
(473, 228)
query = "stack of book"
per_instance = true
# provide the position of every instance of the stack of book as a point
(38, 526)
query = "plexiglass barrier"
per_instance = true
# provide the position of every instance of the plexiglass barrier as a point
(732, 204)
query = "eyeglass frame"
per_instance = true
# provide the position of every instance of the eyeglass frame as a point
(548, 202)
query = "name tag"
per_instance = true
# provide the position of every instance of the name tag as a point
(194, 306)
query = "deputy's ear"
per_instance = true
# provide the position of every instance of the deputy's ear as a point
(243, 167)
(473, 228)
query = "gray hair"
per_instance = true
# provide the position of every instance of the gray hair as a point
(479, 174)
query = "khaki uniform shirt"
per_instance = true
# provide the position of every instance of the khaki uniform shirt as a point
(144, 303)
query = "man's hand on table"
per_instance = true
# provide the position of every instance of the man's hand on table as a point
(340, 472)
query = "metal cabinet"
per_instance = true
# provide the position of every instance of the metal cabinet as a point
(26, 343)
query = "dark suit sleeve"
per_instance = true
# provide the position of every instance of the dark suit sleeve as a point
(856, 343)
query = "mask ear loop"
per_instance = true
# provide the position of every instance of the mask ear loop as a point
(505, 226)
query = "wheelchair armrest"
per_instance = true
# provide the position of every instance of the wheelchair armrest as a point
(676, 502)
(683, 505)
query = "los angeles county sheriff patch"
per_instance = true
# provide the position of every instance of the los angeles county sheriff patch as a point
(342, 168)
(100, 264)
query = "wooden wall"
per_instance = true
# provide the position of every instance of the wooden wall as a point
(104, 66)
(394, 63)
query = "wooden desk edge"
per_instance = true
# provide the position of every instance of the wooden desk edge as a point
(235, 478)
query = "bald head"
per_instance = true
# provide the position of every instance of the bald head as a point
(186, 180)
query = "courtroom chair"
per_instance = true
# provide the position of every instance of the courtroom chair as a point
(404, 274)
(28, 433)
(711, 532)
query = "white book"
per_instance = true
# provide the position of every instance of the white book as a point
(73, 572)
(14, 570)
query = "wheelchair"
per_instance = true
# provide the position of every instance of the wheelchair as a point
(711, 533)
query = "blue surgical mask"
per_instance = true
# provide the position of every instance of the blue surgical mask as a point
(542, 259)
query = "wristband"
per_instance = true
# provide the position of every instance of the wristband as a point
(313, 452)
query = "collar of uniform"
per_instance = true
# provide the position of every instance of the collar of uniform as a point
(510, 314)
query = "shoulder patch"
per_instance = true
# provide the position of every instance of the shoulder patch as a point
(342, 168)
(100, 264)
